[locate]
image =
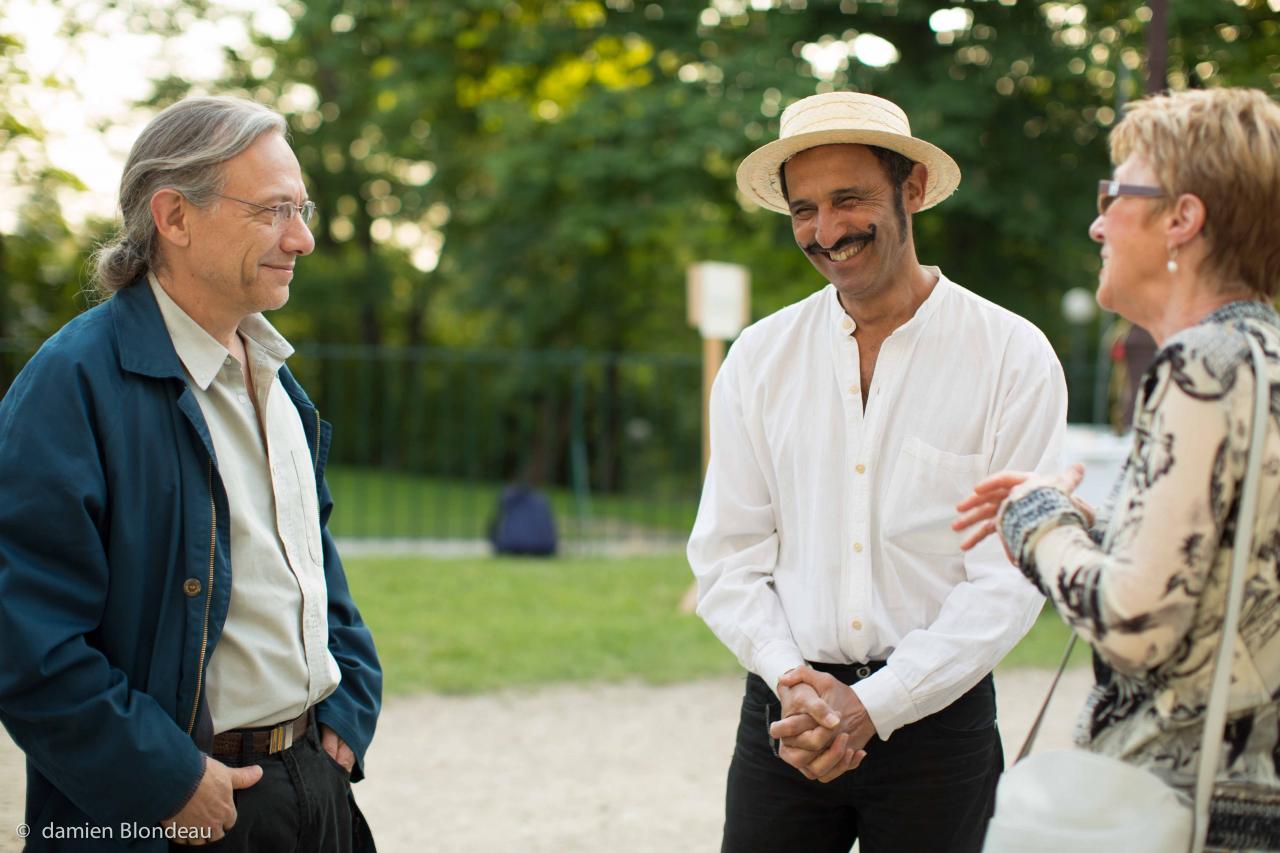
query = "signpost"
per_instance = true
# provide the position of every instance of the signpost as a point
(719, 307)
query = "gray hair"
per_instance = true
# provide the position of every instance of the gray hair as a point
(182, 148)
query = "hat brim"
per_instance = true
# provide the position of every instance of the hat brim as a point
(758, 174)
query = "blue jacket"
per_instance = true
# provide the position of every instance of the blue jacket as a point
(115, 578)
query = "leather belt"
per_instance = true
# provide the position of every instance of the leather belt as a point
(849, 673)
(239, 743)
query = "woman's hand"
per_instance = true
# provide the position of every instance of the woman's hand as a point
(983, 506)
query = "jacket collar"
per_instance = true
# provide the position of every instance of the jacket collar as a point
(142, 339)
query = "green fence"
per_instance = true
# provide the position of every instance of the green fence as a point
(425, 439)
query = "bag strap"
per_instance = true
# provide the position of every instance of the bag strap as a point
(1044, 706)
(1215, 717)
(1121, 500)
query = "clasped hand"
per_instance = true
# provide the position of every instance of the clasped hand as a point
(824, 725)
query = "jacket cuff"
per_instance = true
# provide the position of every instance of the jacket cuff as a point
(775, 659)
(328, 715)
(1023, 521)
(887, 700)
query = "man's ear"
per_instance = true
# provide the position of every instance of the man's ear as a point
(171, 214)
(913, 188)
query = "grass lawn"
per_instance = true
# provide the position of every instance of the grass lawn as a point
(370, 503)
(471, 625)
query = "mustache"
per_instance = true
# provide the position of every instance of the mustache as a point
(813, 248)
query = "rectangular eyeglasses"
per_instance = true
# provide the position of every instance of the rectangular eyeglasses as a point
(281, 214)
(1109, 191)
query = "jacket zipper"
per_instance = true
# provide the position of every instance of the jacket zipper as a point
(208, 599)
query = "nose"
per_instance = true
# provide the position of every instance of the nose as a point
(1096, 229)
(828, 228)
(297, 238)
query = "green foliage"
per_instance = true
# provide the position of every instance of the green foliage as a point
(536, 174)
(581, 153)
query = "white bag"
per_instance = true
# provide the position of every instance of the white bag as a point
(1074, 801)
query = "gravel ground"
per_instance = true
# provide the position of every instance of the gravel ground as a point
(571, 768)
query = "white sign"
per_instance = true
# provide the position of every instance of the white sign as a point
(719, 299)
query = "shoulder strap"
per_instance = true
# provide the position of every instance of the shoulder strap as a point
(1121, 500)
(1216, 716)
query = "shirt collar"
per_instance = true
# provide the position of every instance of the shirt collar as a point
(200, 353)
(1244, 309)
(844, 325)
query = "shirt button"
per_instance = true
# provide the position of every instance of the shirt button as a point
(191, 587)
(860, 468)
(857, 547)
(856, 624)
(848, 324)
(853, 389)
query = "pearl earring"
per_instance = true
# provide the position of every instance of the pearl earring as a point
(1172, 266)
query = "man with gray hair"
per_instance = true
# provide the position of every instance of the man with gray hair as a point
(183, 662)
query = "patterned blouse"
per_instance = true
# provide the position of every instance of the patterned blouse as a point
(1151, 603)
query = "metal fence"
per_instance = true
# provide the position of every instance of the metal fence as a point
(425, 440)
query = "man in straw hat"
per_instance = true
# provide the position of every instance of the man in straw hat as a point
(844, 429)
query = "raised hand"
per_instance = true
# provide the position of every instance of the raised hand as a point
(983, 505)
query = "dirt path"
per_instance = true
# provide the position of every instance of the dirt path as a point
(571, 768)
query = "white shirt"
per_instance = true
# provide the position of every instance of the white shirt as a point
(824, 534)
(272, 660)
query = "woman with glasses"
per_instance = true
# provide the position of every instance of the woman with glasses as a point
(1189, 227)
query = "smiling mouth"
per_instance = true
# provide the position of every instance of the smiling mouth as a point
(846, 254)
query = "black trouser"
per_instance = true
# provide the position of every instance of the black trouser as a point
(302, 803)
(929, 787)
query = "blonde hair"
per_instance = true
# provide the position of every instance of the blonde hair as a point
(1222, 146)
(183, 148)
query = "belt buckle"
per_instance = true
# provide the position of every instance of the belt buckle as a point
(281, 737)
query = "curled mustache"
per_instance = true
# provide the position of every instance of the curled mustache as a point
(844, 242)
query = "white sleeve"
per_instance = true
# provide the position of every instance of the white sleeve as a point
(985, 615)
(734, 546)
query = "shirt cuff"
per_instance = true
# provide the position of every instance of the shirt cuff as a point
(775, 659)
(887, 700)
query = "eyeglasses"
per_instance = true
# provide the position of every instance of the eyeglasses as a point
(281, 214)
(1109, 191)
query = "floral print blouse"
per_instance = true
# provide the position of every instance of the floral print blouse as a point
(1151, 602)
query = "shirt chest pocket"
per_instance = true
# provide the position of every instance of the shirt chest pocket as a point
(927, 485)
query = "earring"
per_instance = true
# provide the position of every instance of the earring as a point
(1172, 266)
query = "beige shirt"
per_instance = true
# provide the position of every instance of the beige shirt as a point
(272, 661)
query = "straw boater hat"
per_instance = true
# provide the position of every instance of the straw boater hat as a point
(842, 117)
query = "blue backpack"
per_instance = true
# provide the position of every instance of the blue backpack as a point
(524, 523)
